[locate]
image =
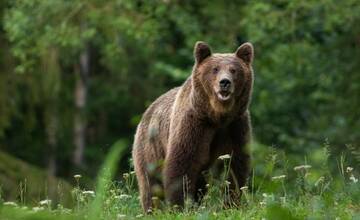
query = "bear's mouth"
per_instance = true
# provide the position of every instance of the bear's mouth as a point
(224, 95)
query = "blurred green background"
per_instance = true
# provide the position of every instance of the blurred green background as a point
(75, 76)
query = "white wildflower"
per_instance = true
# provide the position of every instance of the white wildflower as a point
(77, 176)
(349, 169)
(88, 192)
(207, 185)
(36, 209)
(121, 216)
(353, 179)
(302, 167)
(10, 204)
(45, 202)
(124, 196)
(227, 183)
(278, 177)
(132, 172)
(66, 211)
(320, 180)
(125, 175)
(139, 216)
(244, 188)
(268, 197)
(283, 199)
(224, 157)
(262, 203)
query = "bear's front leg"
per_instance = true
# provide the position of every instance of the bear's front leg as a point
(187, 152)
(241, 158)
(240, 169)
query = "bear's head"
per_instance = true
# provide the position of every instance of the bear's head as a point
(225, 78)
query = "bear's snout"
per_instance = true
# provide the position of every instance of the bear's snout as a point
(225, 88)
(225, 84)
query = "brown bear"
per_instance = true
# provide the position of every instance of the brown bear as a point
(185, 130)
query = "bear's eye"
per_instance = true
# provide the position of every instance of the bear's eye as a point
(232, 70)
(216, 70)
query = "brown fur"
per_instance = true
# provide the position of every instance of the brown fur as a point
(185, 130)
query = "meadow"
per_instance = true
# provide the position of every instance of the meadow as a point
(280, 191)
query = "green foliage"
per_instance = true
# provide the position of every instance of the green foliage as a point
(105, 177)
(147, 47)
(305, 99)
(307, 71)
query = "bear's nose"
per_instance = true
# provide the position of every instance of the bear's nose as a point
(225, 84)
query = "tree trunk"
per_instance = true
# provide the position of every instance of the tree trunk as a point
(50, 81)
(51, 131)
(82, 74)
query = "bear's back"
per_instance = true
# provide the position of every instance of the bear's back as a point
(155, 124)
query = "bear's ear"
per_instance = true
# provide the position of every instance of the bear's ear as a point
(245, 52)
(201, 51)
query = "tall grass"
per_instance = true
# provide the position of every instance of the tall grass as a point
(280, 187)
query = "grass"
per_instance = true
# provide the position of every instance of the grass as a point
(29, 183)
(278, 189)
